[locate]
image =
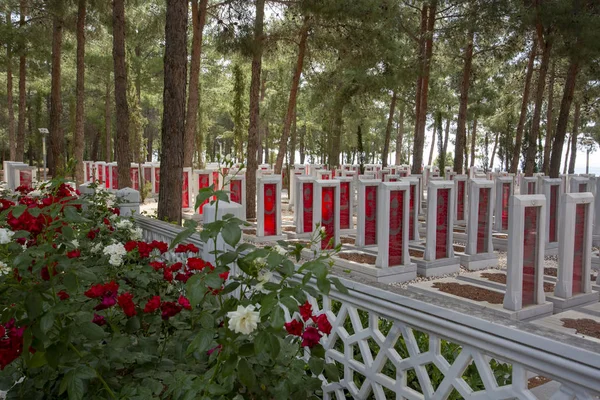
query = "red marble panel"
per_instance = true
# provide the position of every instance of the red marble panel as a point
(307, 206)
(325, 176)
(530, 254)
(395, 235)
(156, 179)
(460, 200)
(504, 205)
(147, 174)
(530, 187)
(552, 224)
(270, 209)
(216, 179)
(482, 220)
(328, 216)
(442, 223)
(345, 205)
(203, 182)
(185, 190)
(578, 248)
(100, 173)
(583, 187)
(370, 215)
(235, 187)
(115, 177)
(107, 175)
(25, 177)
(411, 212)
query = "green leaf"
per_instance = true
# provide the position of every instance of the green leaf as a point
(278, 318)
(181, 236)
(213, 280)
(17, 211)
(316, 365)
(46, 322)
(275, 346)
(245, 247)
(247, 350)
(203, 195)
(289, 302)
(227, 258)
(246, 373)
(230, 287)
(231, 234)
(71, 215)
(267, 304)
(34, 212)
(262, 342)
(195, 289)
(201, 342)
(222, 195)
(287, 268)
(70, 282)
(75, 389)
(133, 324)
(324, 285)
(33, 305)
(339, 285)
(155, 386)
(85, 372)
(331, 373)
(206, 320)
(92, 331)
(38, 360)
(67, 232)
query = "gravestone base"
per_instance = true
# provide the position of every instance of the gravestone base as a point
(439, 267)
(381, 275)
(579, 300)
(263, 239)
(294, 235)
(479, 261)
(500, 241)
(551, 249)
(348, 231)
(596, 240)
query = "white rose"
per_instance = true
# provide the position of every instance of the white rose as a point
(263, 277)
(35, 193)
(5, 236)
(136, 234)
(116, 252)
(280, 250)
(323, 230)
(124, 224)
(244, 320)
(228, 158)
(75, 243)
(4, 270)
(96, 248)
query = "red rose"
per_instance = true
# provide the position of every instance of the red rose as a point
(167, 275)
(184, 248)
(306, 311)
(183, 277)
(224, 275)
(157, 265)
(161, 246)
(74, 253)
(63, 295)
(322, 323)
(185, 303)
(126, 303)
(131, 245)
(95, 291)
(11, 343)
(2, 331)
(116, 211)
(176, 267)
(107, 302)
(294, 327)
(92, 233)
(99, 320)
(152, 305)
(169, 309)
(310, 337)
(196, 264)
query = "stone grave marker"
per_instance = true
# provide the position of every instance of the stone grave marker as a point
(573, 286)
(529, 185)
(551, 188)
(460, 190)
(346, 204)
(134, 175)
(525, 258)
(204, 179)
(187, 195)
(326, 212)
(504, 190)
(303, 209)
(579, 184)
(237, 190)
(366, 212)
(156, 169)
(413, 214)
(268, 217)
(479, 252)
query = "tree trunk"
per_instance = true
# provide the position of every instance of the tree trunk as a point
(254, 109)
(417, 139)
(446, 137)
(57, 140)
(388, 130)
(574, 138)
(301, 147)
(563, 118)
(422, 117)
(514, 165)
(494, 150)
(539, 100)
(433, 134)
(107, 123)
(336, 139)
(173, 123)
(567, 155)
(122, 151)
(263, 123)
(20, 148)
(80, 92)
(549, 123)
(293, 95)
(461, 130)
(400, 135)
(198, 21)
(12, 145)
(473, 141)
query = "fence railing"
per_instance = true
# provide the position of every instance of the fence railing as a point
(394, 344)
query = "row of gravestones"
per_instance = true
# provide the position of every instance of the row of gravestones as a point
(18, 174)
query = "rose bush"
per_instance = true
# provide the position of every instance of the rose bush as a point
(90, 309)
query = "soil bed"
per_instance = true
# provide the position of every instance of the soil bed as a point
(415, 253)
(584, 326)
(469, 292)
(550, 271)
(537, 381)
(501, 278)
(359, 258)
(347, 240)
(249, 231)
(289, 229)
(460, 249)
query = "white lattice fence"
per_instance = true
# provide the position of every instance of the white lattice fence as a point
(390, 346)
